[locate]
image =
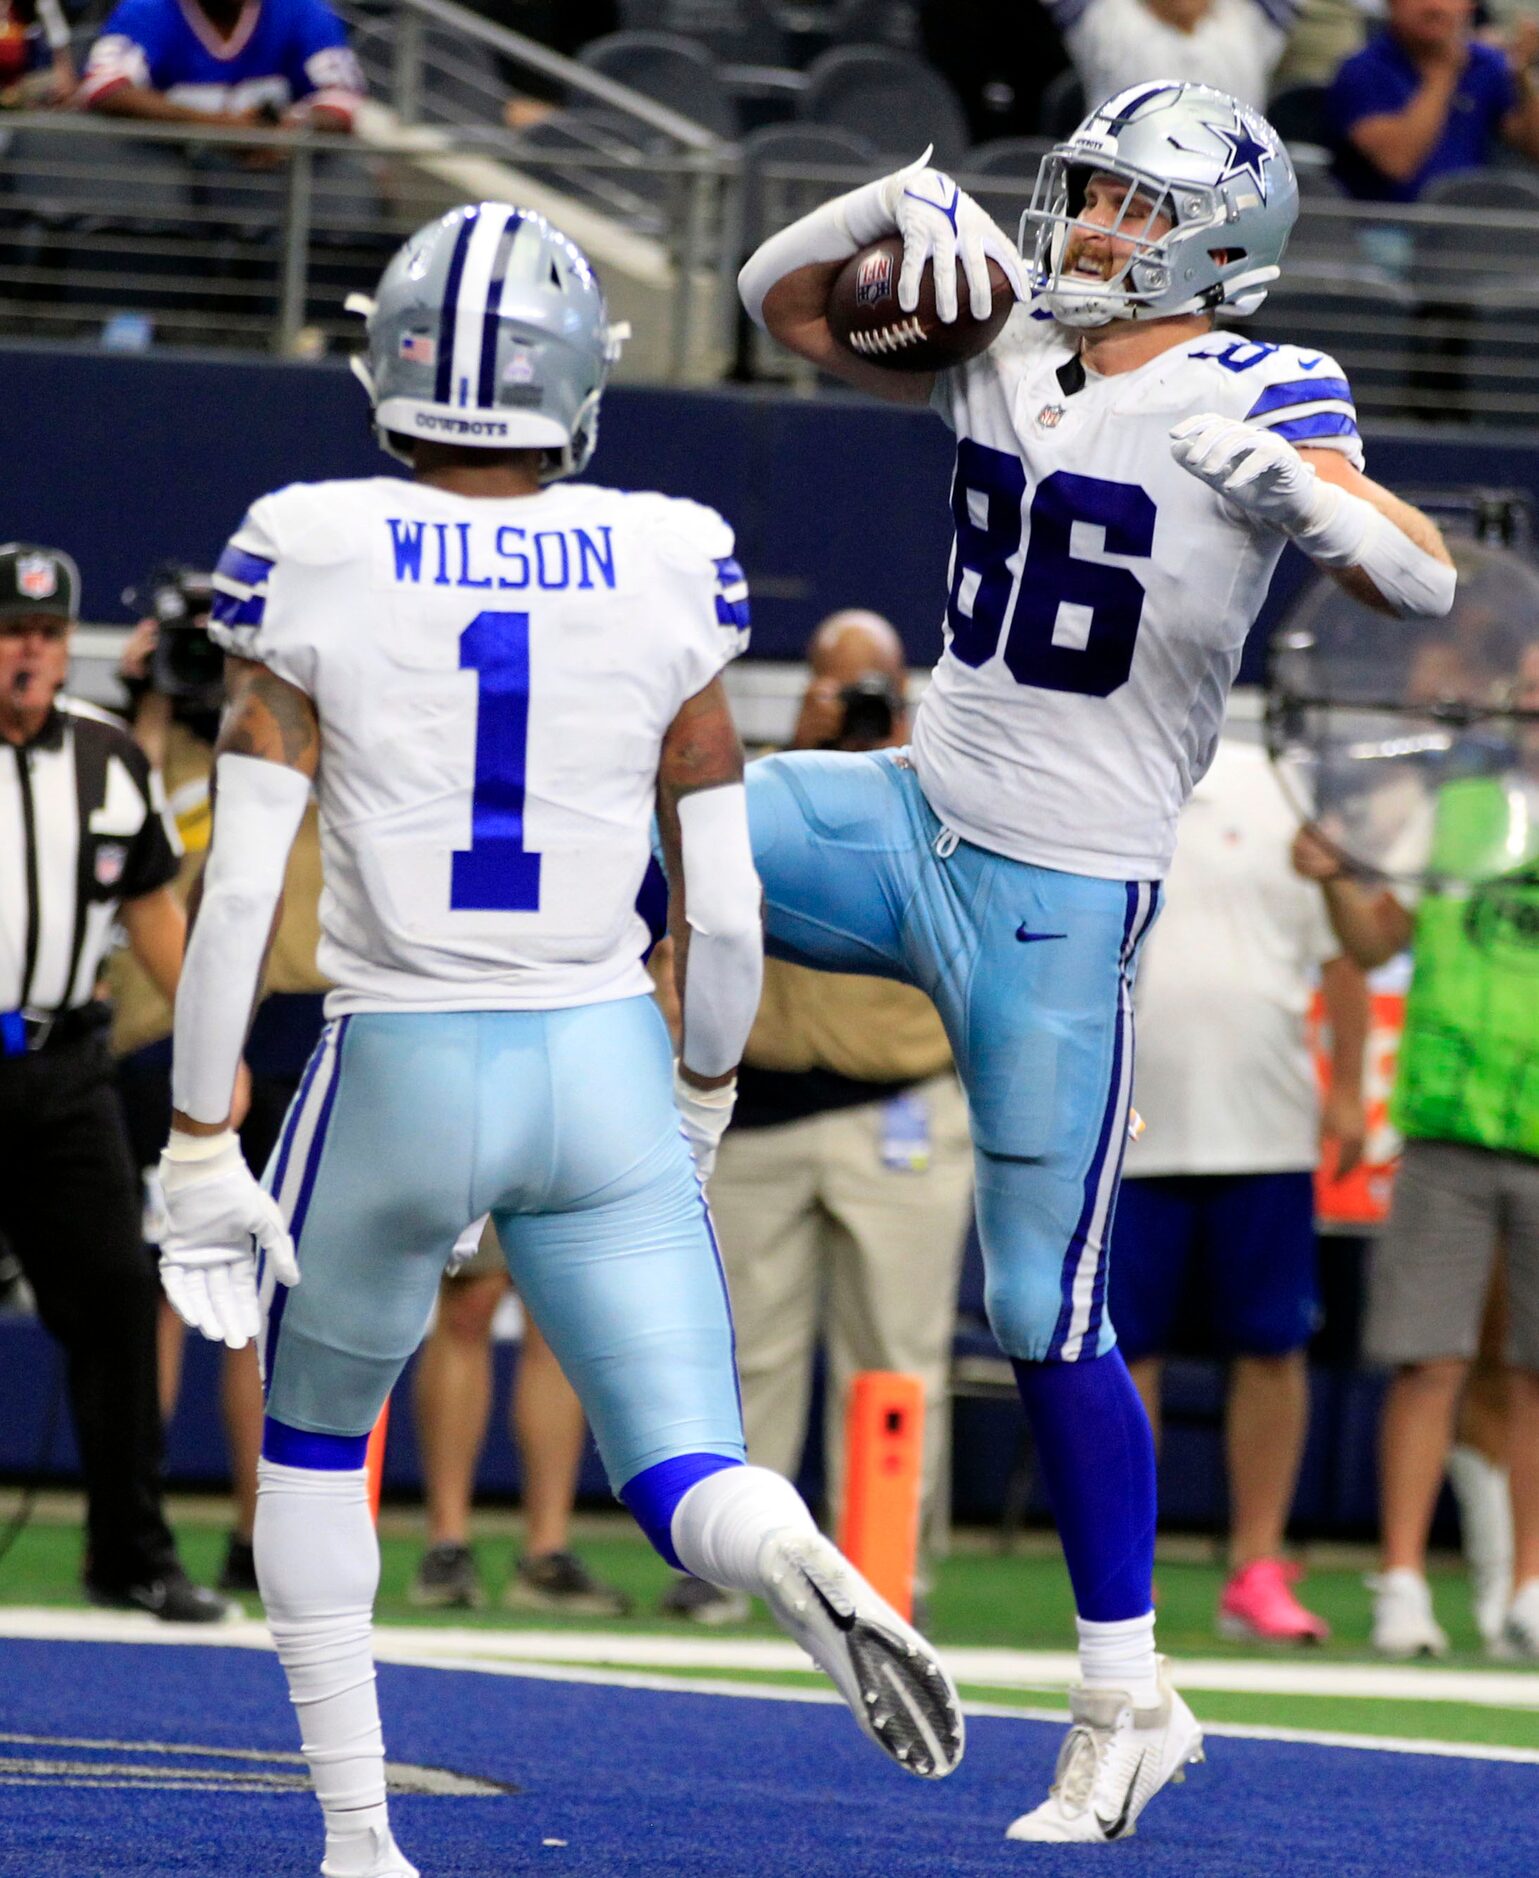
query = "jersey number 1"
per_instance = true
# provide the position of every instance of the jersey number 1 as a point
(497, 873)
(1042, 647)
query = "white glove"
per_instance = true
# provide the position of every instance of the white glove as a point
(938, 223)
(1260, 473)
(703, 1114)
(214, 1210)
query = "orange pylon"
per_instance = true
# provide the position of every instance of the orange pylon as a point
(884, 1454)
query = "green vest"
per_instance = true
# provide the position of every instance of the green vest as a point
(1469, 1056)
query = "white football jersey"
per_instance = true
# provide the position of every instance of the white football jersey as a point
(1099, 594)
(494, 680)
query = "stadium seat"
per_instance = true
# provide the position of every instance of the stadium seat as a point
(1459, 259)
(768, 206)
(1317, 239)
(890, 97)
(1359, 316)
(1297, 114)
(671, 71)
(1013, 159)
(1062, 106)
(744, 32)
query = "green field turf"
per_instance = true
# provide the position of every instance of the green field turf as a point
(980, 1597)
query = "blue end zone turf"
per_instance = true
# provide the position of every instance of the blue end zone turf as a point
(640, 1784)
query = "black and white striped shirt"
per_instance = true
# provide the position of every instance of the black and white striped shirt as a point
(83, 827)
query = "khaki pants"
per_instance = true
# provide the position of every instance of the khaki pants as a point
(818, 1236)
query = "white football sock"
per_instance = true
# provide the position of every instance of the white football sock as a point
(722, 1521)
(317, 1561)
(1120, 1656)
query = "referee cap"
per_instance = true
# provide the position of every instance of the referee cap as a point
(38, 580)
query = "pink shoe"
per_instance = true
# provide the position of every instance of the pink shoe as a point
(1258, 1602)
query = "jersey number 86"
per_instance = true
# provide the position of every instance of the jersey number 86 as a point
(1088, 648)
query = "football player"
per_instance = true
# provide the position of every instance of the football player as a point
(492, 676)
(1126, 478)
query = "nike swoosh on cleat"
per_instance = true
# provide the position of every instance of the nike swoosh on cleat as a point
(1029, 938)
(1114, 1828)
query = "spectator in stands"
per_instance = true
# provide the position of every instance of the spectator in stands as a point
(174, 677)
(453, 1399)
(221, 62)
(842, 1189)
(1218, 1202)
(36, 65)
(1469, 1181)
(1425, 99)
(1232, 44)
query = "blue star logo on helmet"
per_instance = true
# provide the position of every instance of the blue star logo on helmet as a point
(1248, 155)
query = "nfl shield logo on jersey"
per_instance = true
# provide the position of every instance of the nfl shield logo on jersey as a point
(110, 857)
(873, 279)
(1050, 416)
(37, 577)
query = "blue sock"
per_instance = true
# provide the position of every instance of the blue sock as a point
(1096, 1453)
(652, 1496)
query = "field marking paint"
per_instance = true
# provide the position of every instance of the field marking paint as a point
(656, 1655)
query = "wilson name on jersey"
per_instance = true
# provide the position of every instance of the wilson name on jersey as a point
(494, 679)
(1099, 595)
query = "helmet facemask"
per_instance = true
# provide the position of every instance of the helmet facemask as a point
(1150, 282)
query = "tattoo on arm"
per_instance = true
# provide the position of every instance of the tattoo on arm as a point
(269, 718)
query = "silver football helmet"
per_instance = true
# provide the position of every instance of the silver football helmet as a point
(1210, 163)
(489, 329)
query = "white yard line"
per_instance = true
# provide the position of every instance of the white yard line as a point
(986, 1668)
(424, 1649)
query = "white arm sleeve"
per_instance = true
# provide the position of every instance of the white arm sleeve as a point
(831, 232)
(259, 809)
(725, 968)
(1346, 531)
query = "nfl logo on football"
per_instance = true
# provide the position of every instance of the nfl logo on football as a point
(873, 279)
(37, 577)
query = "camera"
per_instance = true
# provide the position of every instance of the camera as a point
(871, 707)
(187, 667)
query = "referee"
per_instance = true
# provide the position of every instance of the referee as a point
(83, 844)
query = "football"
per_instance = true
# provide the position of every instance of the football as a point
(864, 315)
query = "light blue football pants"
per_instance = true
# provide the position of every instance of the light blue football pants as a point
(561, 1125)
(1031, 971)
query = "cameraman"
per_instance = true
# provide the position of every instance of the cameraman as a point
(842, 1189)
(174, 676)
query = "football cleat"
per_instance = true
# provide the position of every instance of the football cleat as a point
(1403, 1624)
(1114, 1760)
(895, 1685)
(371, 1854)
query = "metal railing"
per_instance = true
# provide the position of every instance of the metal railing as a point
(117, 230)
